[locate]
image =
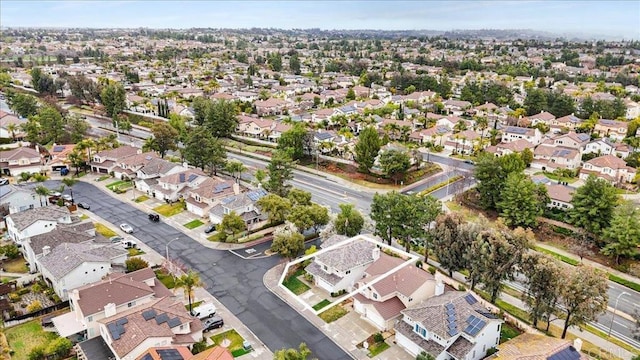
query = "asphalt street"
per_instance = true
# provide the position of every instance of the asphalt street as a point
(234, 281)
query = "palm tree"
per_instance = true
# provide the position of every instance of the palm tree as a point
(234, 167)
(482, 123)
(188, 283)
(460, 126)
(41, 190)
(12, 128)
(69, 182)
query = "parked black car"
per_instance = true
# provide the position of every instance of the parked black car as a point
(154, 217)
(85, 206)
(210, 228)
(213, 323)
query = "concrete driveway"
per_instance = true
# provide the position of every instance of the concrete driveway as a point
(235, 282)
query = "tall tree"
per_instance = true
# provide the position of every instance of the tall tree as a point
(367, 148)
(293, 141)
(203, 150)
(492, 173)
(450, 245)
(349, 221)
(584, 295)
(235, 169)
(395, 164)
(522, 201)
(41, 191)
(275, 206)
(288, 241)
(232, 224)
(623, 235)
(24, 105)
(113, 97)
(77, 127)
(188, 283)
(535, 102)
(52, 122)
(302, 353)
(593, 205)
(165, 138)
(299, 197)
(543, 282)
(221, 118)
(280, 170)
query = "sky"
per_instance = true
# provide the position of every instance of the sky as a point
(608, 18)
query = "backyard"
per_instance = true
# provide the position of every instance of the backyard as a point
(232, 341)
(165, 278)
(168, 210)
(294, 284)
(25, 337)
(18, 265)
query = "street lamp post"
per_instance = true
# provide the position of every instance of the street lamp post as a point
(615, 307)
(166, 249)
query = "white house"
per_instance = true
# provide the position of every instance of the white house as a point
(450, 326)
(147, 176)
(560, 196)
(19, 199)
(513, 133)
(243, 204)
(112, 295)
(340, 268)
(32, 222)
(610, 168)
(68, 265)
(381, 303)
(602, 146)
(171, 187)
(21, 160)
(209, 193)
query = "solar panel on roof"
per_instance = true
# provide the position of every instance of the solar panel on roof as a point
(569, 353)
(192, 177)
(169, 354)
(162, 318)
(122, 321)
(174, 322)
(147, 357)
(113, 331)
(487, 314)
(58, 148)
(470, 299)
(471, 319)
(452, 332)
(149, 314)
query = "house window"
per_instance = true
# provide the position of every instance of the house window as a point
(348, 272)
(131, 304)
(324, 267)
(90, 318)
(375, 296)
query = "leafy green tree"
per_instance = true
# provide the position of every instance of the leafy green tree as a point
(450, 245)
(232, 224)
(593, 205)
(527, 157)
(294, 64)
(280, 171)
(77, 128)
(222, 118)
(135, 263)
(522, 201)
(51, 120)
(543, 283)
(293, 141)
(204, 151)
(395, 164)
(535, 102)
(425, 356)
(623, 235)
(367, 148)
(288, 241)
(583, 295)
(188, 283)
(36, 75)
(299, 197)
(300, 216)
(349, 221)
(59, 348)
(351, 95)
(180, 124)
(165, 138)
(492, 172)
(562, 105)
(274, 60)
(113, 97)
(11, 251)
(319, 216)
(302, 353)
(235, 168)
(200, 109)
(277, 207)
(24, 105)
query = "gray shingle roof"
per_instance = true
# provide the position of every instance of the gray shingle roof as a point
(58, 236)
(349, 256)
(23, 219)
(65, 257)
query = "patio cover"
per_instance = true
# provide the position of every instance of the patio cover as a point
(67, 325)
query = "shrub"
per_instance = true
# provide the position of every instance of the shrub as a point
(59, 348)
(199, 347)
(36, 353)
(34, 306)
(336, 294)
(431, 270)
(135, 263)
(36, 288)
(462, 287)
(14, 297)
(23, 291)
(377, 337)
(308, 277)
(10, 251)
(419, 264)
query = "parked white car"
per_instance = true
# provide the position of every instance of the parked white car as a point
(126, 228)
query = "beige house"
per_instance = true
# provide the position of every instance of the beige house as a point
(610, 168)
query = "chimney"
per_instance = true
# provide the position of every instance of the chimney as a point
(46, 250)
(439, 288)
(577, 344)
(109, 310)
(376, 253)
(236, 188)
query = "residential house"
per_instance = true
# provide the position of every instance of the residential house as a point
(538, 347)
(243, 204)
(454, 325)
(163, 322)
(463, 142)
(25, 224)
(59, 155)
(633, 110)
(559, 196)
(71, 265)
(21, 160)
(602, 146)
(254, 127)
(569, 122)
(381, 303)
(172, 187)
(341, 268)
(610, 168)
(127, 167)
(271, 106)
(147, 176)
(572, 140)
(105, 161)
(10, 126)
(18, 199)
(208, 193)
(486, 109)
(167, 352)
(614, 129)
(436, 135)
(114, 294)
(513, 133)
(542, 117)
(456, 107)
(550, 157)
(516, 146)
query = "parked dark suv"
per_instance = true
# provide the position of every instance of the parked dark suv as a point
(154, 217)
(213, 323)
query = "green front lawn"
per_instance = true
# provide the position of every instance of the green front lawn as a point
(508, 332)
(552, 176)
(18, 265)
(135, 252)
(333, 314)
(377, 348)
(194, 305)
(235, 338)
(141, 198)
(167, 279)
(104, 231)
(321, 304)
(120, 184)
(103, 177)
(24, 337)
(193, 224)
(168, 210)
(294, 284)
